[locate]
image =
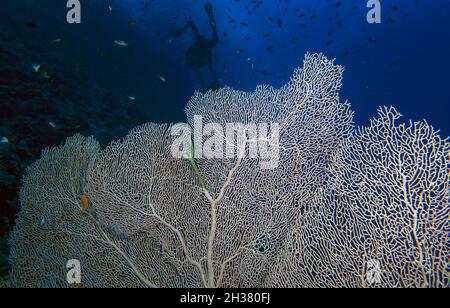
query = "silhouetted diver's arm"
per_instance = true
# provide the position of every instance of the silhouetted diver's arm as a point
(189, 25)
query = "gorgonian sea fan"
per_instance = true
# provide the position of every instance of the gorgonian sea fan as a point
(341, 204)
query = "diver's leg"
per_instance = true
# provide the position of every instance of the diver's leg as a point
(212, 23)
(209, 8)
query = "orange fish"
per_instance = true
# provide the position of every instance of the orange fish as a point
(85, 204)
(29, 205)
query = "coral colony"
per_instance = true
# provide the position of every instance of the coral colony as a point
(343, 207)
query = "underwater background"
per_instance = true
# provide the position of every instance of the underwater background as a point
(125, 64)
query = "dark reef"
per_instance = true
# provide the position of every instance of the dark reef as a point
(39, 112)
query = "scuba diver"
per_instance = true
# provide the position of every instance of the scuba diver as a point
(199, 54)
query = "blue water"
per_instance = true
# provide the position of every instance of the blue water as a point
(404, 61)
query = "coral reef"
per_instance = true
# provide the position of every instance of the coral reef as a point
(345, 207)
(384, 217)
(41, 112)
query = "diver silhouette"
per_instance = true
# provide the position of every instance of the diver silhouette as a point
(199, 54)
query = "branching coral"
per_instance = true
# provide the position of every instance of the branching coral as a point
(340, 205)
(52, 230)
(383, 220)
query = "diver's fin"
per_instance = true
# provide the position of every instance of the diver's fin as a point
(209, 9)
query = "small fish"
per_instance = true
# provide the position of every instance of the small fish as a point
(110, 8)
(162, 78)
(29, 205)
(58, 40)
(132, 98)
(121, 43)
(36, 68)
(42, 222)
(84, 204)
(41, 70)
(4, 140)
(52, 124)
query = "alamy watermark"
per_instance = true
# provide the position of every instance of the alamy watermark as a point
(374, 14)
(74, 274)
(227, 141)
(74, 14)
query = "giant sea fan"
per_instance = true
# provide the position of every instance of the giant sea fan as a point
(341, 204)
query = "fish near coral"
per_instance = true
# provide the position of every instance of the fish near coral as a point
(121, 43)
(84, 204)
(41, 70)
